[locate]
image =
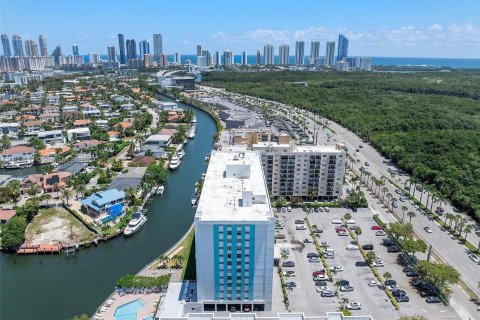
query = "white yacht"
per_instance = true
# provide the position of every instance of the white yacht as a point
(194, 199)
(180, 153)
(160, 190)
(194, 120)
(174, 163)
(191, 134)
(135, 224)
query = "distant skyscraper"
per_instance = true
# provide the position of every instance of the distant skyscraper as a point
(144, 47)
(75, 50)
(112, 54)
(177, 58)
(300, 53)
(284, 53)
(17, 46)
(330, 53)
(6, 46)
(57, 53)
(342, 47)
(31, 48)
(131, 49)
(218, 59)
(147, 60)
(314, 50)
(257, 60)
(157, 46)
(205, 53)
(244, 58)
(163, 61)
(121, 48)
(227, 58)
(199, 50)
(268, 52)
(42, 41)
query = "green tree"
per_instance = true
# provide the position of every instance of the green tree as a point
(411, 215)
(13, 233)
(413, 246)
(441, 275)
(66, 195)
(404, 208)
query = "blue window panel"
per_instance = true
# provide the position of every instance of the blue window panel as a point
(225, 269)
(252, 262)
(242, 297)
(216, 254)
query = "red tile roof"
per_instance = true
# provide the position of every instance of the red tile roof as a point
(18, 149)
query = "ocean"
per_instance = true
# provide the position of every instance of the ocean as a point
(376, 61)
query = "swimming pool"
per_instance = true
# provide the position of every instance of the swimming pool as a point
(129, 310)
(148, 318)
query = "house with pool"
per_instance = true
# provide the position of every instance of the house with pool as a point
(104, 205)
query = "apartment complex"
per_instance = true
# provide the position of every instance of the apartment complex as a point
(303, 171)
(234, 232)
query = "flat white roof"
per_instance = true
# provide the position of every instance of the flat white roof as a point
(275, 147)
(234, 188)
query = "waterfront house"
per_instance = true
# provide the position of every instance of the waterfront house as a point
(69, 109)
(17, 157)
(32, 110)
(49, 117)
(103, 124)
(73, 167)
(160, 140)
(78, 134)
(51, 182)
(109, 202)
(91, 112)
(114, 135)
(53, 137)
(87, 144)
(81, 123)
(32, 127)
(127, 106)
(51, 109)
(6, 214)
(168, 132)
(119, 98)
(48, 155)
(10, 129)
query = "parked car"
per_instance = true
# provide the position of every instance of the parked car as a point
(433, 299)
(398, 293)
(346, 288)
(327, 209)
(354, 306)
(290, 273)
(367, 247)
(299, 221)
(289, 209)
(417, 282)
(393, 249)
(336, 268)
(342, 234)
(279, 236)
(390, 282)
(316, 273)
(340, 229)
(313, 255)
(380, 233)
(373, 283)
(301, 227)
(306, 240)
(412, 273)
(336, 221)
(427, 229)
(352, 247)
(378, 263)
(361, 264)
(324, 244)
(388, 242)
(314, 260)
(343, 282)
(376, 227)
(321, 209)
(473, 257)
(402, 298)
(351, 221)
(290, 284)
(327, 294)
(321, 283)
(288, 264)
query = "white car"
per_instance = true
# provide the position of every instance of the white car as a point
(354, 306)
(302, 227)
(474, 258)
(319, 289)
(336, 221)
(352, 247)
(378, 263)
(327, 209)
(373, 283)
(427, 229)
(351, 221)
(336, 268)
(393, 287)
(324, 244)
(380, 233)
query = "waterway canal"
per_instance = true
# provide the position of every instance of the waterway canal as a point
(56, 288)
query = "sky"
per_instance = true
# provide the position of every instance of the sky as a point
(388, 28)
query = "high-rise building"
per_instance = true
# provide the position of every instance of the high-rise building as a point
(342, 47)
(147, 60)
(234, 235)
(144, 47)
(199, 50)
(17, 46)
(75, 50)
(284, 54)
(257, 60)
(131, 49)
(163, 63)
(218, 59)
(300, 53)
(31, 48)
(314, 50)
(112, 54)
(177, 58)
(157, 46)
(341, 66)
(57, 53)
(42, 41)
(244, 59)
(268, 52)
(202, 62)
(227, 58)
(94, 58)
(330, 53)
(121, 48)
(6, 46)
(205, 53)
(291, 171)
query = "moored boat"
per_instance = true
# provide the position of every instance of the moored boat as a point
(135, 224)
(180, 153)
(174, 163)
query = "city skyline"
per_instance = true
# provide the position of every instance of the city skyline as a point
(398, 34)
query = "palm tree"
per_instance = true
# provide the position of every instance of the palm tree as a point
(45, 197)
(389, 195)
(404, 208)
(56, 187)
(451, 217)
(420, 186)
(80, 189)
(468, 229)
(384, 190)
(347, 216)
(387, 275)
(394, 200)
(367, 177)
(358, 232)
(374, 182)
(66, 195)
(411, 215)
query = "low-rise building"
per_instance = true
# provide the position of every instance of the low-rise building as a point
(53, 137)
(78, 134)
(70, 109)
(114, 136)
(81, 123)
(18, 157)
(9, 129)
(103, 124)
(108, 202)
(50, 182)
(6, 214)
(160, 140)
(32, 127)
(48, 155)
(50, 117)
(32, 110)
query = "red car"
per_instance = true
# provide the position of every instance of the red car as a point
(317, 273)
(376, 228)
(340, 229)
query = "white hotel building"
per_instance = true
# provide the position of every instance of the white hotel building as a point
(234, 235)
(299, 171)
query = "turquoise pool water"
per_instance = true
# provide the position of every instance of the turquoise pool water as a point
(148, 318)
(129, 310)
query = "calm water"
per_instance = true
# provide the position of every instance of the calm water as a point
(55, 287)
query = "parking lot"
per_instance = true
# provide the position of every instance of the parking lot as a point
(373, 300)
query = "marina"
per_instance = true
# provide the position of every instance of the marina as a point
(169, 217)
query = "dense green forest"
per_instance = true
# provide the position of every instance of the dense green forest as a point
(427, 122)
